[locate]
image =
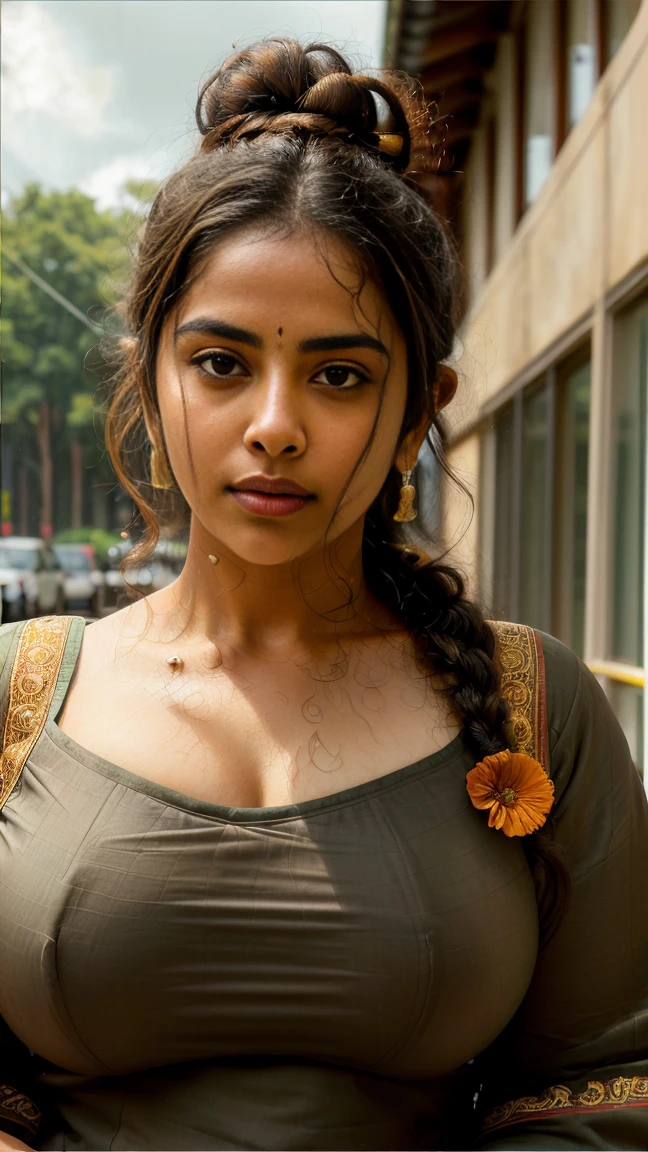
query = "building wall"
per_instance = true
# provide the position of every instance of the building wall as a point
(460, 517)
(586, 231)
(557, 291)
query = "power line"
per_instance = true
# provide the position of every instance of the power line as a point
(45, 287)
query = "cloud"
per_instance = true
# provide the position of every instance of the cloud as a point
(42, 75)
(106, 185)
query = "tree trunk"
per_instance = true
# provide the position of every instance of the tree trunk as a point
(45, 448)
(76, 463)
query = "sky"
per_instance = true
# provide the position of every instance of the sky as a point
(95, 92)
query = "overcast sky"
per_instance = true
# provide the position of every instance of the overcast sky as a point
(97, 91)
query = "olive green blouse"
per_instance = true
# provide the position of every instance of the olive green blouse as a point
(354, 972)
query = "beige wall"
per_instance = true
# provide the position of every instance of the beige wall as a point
(587, 230)
(460, 523)
(586, 236)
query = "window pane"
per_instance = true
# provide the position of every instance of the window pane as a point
(581, 60)
(503, 512)
(618, 15)
(535, 511)
(629, 453)
(571, 505)
(627, 702)
(539, 98)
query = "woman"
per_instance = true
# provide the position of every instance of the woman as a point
(259, 889)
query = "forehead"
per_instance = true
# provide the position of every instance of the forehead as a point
(289, 282)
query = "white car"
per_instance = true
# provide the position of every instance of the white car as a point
(82, 581)
(31, 578)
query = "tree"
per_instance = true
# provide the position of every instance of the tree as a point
(51, 420)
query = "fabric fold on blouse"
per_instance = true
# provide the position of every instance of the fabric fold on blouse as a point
(342, 974)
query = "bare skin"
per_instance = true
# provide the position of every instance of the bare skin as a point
(11, 1144)
(284, 695)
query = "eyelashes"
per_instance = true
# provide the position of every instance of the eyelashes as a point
(338, 376)
(226, 362)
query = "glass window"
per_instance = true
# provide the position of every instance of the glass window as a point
(502, 591)
(627, 702)
(534, 552)
(539, 98)
(570, 532)
(21, 558)
(629, 479)
(618, 16)
(581, 59)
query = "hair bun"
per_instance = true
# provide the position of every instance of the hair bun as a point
(280, 87)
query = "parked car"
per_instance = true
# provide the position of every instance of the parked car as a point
(31, 578)
(82, 581)
(161, 569)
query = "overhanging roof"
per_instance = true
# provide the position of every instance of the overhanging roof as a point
(449, 45)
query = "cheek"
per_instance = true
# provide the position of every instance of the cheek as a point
(196, 431)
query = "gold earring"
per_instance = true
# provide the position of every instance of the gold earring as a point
(406, 510)
(160, 472)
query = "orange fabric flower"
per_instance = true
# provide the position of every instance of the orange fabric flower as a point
(515, 788)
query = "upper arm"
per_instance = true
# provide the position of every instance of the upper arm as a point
(584, 1019)
(9, 636)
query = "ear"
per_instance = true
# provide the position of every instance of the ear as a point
(444, 387)
(408, 452)
(443, 391)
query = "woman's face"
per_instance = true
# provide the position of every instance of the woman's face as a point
(269, 376)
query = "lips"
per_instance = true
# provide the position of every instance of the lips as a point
(273, 485)
(270, 495)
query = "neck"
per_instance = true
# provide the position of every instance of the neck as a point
(281, 609)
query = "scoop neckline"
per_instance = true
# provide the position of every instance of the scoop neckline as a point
(227, 813)
(234, 815)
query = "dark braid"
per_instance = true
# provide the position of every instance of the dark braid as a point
(454, 640)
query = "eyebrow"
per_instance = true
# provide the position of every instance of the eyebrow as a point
(335, 343)
(344, 340)
(219, 328)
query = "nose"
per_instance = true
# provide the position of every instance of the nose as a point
(276, 427)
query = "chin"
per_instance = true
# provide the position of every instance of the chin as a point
(270, 548)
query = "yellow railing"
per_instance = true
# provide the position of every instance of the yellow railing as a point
(623, 673)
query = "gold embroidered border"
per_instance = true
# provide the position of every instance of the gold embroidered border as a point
(33, 681)
(521, 661)
(17, 1107)
(623, 1091)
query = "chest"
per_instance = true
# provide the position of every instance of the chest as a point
(396, 933)
(259, 736)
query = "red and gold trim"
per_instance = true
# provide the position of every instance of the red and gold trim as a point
(599, 1096)
(33, 681)
(521, 661)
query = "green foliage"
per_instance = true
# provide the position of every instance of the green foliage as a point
(100, 539)
(82, 254)
(142, 190)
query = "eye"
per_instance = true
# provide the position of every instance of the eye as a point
(341, 376)
(222, 365)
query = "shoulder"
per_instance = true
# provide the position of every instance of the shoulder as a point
(9, 639)
(585, 737)
(9, 636)
(573, 691)
(575, 701)
(525, 654)
(567, 679)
